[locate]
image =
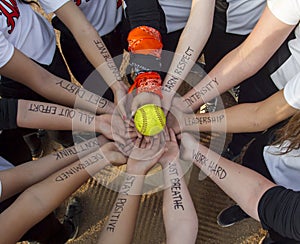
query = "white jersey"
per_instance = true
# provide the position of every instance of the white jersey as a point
(242, 15)
(104, 15)
(284, 169)
(288, 75)
(22, 28)
(176, 12)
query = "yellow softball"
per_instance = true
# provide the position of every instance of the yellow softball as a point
(149, 120)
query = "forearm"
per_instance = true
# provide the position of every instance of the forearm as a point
(52, 87)
(242, 62)
(121, 223)
(36, 203)
(236, 119)
(243, 185)
(90, 43)
(190, 44)
(246, 117)
(33, 114)
(178, 207)
(23, 176)
(220, 79)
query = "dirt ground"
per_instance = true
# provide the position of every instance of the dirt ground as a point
(208, 199)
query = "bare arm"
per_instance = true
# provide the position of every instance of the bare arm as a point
(190, 45)
(121, 223)
(180, 217)
(246, 117)
(242, 62)
(27, 72)
(93, 47)
(243, 185)
(36, 203)
(49, 116)
(21, 177)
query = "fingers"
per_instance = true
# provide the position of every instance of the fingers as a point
(119, 139)
(102, 140)
(167, 134)
(116, 158)
(138, 142)
(143, 144)
(172, 135)
(142, 99)
(110, 146)
(126, 148)
(179, 136)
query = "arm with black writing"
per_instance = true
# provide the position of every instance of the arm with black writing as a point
(180, 217)
(240, 63)
(17, 179)
(189, 47)
(246, 117)
(52, 87)
(95, 50)
(243, 185)
(32, 114)
(122, 219)
(35, 203)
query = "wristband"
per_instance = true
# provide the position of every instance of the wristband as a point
(147, 82)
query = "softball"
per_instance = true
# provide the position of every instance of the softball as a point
(149, 120)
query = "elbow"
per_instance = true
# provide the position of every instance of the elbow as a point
(259, 120)
(258, 125)
(33, 197)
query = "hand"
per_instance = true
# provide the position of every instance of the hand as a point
(179, 105)
(144, 98)
(113, 127)
(102, 140)
(175, 120)
(166, 101)
(122, 99)
(132, 135)
(188, 145)
(112, 154)
(145, 154)
(172, 151)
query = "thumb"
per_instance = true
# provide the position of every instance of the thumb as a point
(117, 158)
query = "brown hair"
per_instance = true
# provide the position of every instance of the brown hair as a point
(290, 132)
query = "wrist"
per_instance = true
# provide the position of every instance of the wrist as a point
(107, 108)
(116, 86)
(98, 123)
(136, 169)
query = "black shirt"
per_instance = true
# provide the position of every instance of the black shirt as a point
(279, 210)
